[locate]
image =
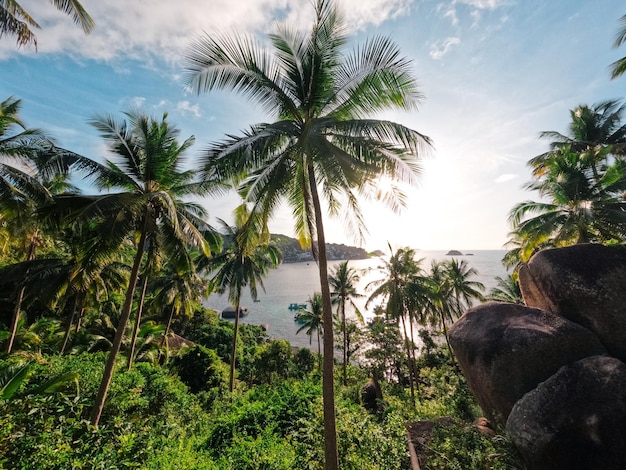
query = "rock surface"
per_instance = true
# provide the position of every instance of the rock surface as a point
(584, 283)
(576, 419)
(506, 350)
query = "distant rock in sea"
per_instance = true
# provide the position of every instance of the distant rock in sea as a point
(454, 253)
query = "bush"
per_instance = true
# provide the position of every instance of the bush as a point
(201, 369)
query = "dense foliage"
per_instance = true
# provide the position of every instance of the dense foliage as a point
(181, 416)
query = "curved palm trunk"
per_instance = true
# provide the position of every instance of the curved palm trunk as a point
(68, 330)
(15, 319)
(133, 342)
(164, 341)
(107, 375)
(20, 297)
(445, 334)
(331, 453)
(231, 383)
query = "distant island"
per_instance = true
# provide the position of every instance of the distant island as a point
(292, 253)
(458, 253)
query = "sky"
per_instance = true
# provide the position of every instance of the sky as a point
(494, 74)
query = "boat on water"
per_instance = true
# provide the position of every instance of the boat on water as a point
(229, 312)
(296, 306)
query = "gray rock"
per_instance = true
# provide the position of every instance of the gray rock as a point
(505, 350)
(574, 420)
(585, 284)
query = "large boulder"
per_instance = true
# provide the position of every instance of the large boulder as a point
(574, 420)
(585, 284)
(505, 350)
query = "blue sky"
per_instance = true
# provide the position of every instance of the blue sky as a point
(494, 73)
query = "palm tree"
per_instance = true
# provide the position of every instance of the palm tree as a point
(343, 280)
(506, 290)
(619, 66)
(16, 21)
(242, 264)
(595, 132)
(451, 293)
(462, 289)
(146, 168)
(180, 290)
(403, 276)
(579, 208)
(321, 140)
(312, 320)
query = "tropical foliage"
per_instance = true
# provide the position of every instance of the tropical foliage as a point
(581, 182)
(16, 21)
(619, 66)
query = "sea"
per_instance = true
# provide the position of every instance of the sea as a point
(296, 282)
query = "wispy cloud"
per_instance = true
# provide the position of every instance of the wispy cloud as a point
(441, 48)
(186, 107)
(505, 178)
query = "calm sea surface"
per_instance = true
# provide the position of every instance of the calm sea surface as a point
(296, 282)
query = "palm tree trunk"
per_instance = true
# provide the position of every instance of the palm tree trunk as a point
(107, 375)
(331, 453)
(68, 330)
(15, 320)
(133, 341)
(408, 358)
(345, 343)
(165, 342)
(20, 297)
(231, 383)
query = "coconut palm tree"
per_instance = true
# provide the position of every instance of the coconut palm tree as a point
(16, 21)
(322, 146)
(178, 289)
(242, 264)
(402, 276)
(506, 290)
(595, 132)
(578, 208)
(461, 287)
(619, 66)
(312, 320)
(146, 169)
(343, 280)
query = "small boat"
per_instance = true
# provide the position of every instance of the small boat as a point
(229, 312)
(296, 306)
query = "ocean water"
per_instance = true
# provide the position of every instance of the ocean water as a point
(296, 282)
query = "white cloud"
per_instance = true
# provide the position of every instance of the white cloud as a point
(441, 48)
(505, 178)
(186, 107)
(164, 29)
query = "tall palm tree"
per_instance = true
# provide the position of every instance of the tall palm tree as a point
(619, 66)
(242, 264)
(578, 208)
(312, 320)
(16, 21)
(402, 273)
(146, 169)
(321, 140)
(343, 281)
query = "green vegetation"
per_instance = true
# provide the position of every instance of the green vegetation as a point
(181, 415)
(111, 362)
